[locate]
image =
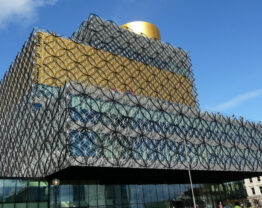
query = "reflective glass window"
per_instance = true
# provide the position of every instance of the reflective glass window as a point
(132, 196)
(165, 192)
(33, 194)
(222, 192)
(133, 206)
(101, 195)
(187, 195)
(216, 195)
(92, 195)
(140, 206)
(1, 191)
(83, 195)
(21, 194)
(146, 194)
(117, 194)
(43, 194)
(109, 191)
(153, 190)
(69, 195)
(209, 199)
(228, 189)
(124, 194)
(64, 192)
(197, 193)
(53, 192)
(202, 200)
(140, 194)
(74, 195)
(182, 195)
(160, 193)
(9, 193)
(129, 195)
(150, 194)
(233, 187)
(210, 195)
(172, 191)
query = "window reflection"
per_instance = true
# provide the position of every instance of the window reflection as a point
(83, 195)
(92, 191)
(43, 194)
(64, 192)
(90, 194)
(33, 194)
(1, 191)
(21, 194)
(109, 191)
(101, 195)
(9, 193)
(117, 194)
(140, 194)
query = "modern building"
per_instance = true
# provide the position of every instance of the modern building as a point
(114, 116)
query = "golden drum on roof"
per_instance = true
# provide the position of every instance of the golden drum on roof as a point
(143, 28)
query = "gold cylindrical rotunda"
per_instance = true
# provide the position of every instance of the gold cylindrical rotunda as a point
(143, 28)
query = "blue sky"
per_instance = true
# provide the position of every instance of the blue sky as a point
(223, 37)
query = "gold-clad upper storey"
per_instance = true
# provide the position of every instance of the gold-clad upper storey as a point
(144, 28)
(61, 60)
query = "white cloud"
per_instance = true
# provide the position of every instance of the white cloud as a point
(237, 100)
(20, 11)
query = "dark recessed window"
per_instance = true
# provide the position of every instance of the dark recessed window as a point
(260, 189)
(258, 178)
(250, 180)
(253, 191)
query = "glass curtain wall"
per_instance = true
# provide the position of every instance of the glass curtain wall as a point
(18, 193)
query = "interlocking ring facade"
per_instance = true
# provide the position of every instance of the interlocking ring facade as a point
(107, 97)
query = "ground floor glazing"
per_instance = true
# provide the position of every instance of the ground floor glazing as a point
(29, 193)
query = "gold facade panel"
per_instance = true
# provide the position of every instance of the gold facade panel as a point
(61, 60)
